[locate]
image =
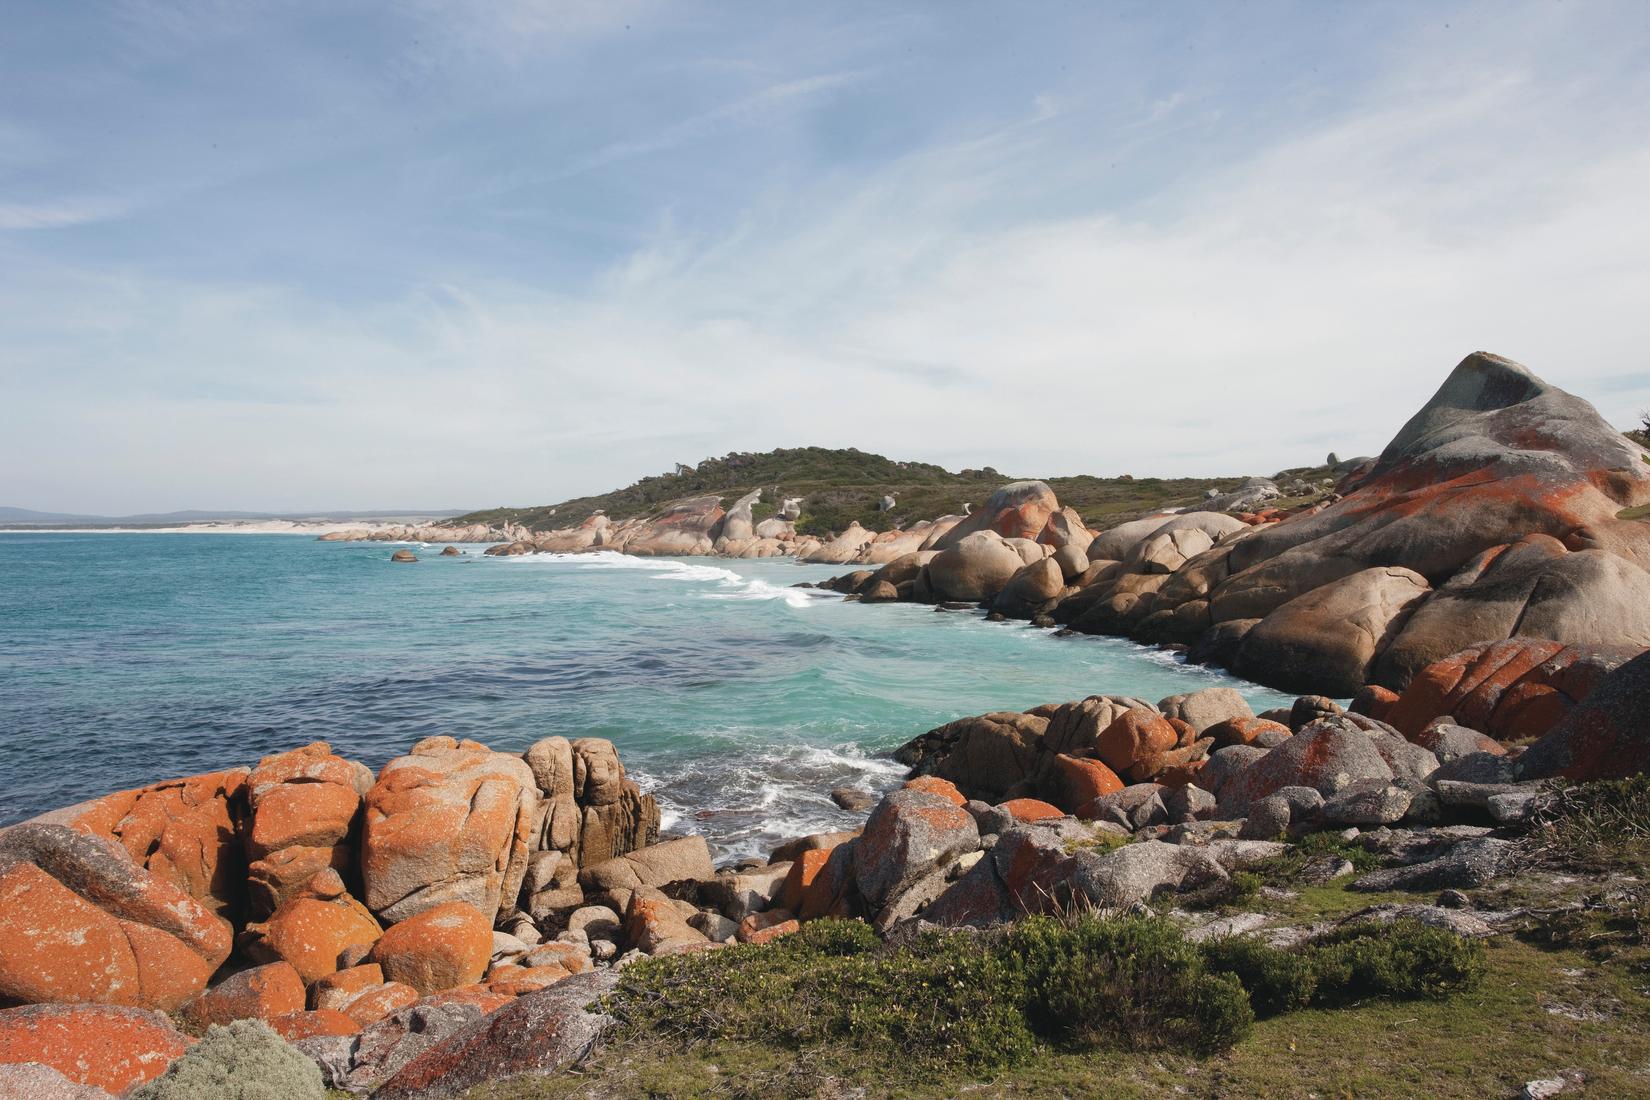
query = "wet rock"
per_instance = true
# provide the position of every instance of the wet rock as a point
(853, 799)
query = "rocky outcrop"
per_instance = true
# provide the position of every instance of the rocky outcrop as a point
(80, 922)
(1606, 736)
(185, 831)
(1018, 510)
(686, 528)
(305, 817)
(450, 821)
(1513, 691)
(844, 548)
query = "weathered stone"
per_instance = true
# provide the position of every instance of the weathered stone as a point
(79, 922)
(103, 1046)
(313, 929)
(1469, 864)
(907, 834)
(538, 1035)
(439, 948)
(1328, 755)
(184, 831)
(261, 993)
(451, 821)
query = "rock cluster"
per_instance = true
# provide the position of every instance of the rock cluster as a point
(311, 895)
(1492, 515)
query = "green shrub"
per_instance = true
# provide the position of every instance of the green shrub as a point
(945, 1000)
(1134, 982)
(244, 1060)
(1278, 981)
(1404, 960)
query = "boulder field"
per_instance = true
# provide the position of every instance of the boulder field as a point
(1493, 514)
(456, 918)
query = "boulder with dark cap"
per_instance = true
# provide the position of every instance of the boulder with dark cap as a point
(80, 922)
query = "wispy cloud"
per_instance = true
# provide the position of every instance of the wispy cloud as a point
(1038, 284)
(19, 216)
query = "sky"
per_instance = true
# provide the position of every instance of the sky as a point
(304, 254)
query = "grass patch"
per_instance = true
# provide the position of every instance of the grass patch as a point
(1597, 826)
(1283, 869)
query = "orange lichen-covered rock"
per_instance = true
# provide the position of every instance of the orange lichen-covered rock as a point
(313, 929)
(1244, 731)
(1027, 810)
(186, 831)
(655, 926)
(281, 875)
(105, 1046)
(804, 869)
(765, 927)
(313, 1024)
(306, 798)
(933, 784)
(512, 980)
(906, 836)
(1134, 735)
(440, 948)
(1078, 781)
(479, 995)
(1511, 690)
(451, 821)
(1018, 510)
(1605, 737)
(79, 922)
(371, 1005)
(335, 991)
(260, 993)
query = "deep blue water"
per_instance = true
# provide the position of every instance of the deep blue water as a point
(127, 658)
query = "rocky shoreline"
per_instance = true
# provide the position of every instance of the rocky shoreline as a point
(454, 919)
(1495, 512)
(457, 917)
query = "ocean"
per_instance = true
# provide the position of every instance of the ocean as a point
(736, 699)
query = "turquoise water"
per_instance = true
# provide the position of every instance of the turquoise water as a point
(127, 658)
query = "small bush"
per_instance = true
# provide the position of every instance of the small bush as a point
(242, 1061)
(1404, 960)
(946, 999)
(1135, 982)
(1278, 981)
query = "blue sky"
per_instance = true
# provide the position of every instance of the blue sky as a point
(336, 254)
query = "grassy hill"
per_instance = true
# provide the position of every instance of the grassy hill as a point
(840, 486)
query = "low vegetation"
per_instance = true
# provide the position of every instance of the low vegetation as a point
(1596, 826)
(840, 486)
(986, 1003)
